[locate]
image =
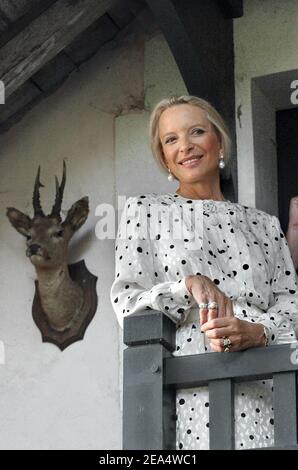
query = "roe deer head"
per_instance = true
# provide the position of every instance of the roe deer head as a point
(47, 248)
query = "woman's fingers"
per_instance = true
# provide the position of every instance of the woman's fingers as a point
(206, 292)
(224, 308)
(212, 313)
(220, 309)
(218, 333)
(203, 312)
(216, 305)
(217, 345)
(224, 325)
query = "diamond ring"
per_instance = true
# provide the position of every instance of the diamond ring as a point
(202, 306)
(227, 344)
(213, 305)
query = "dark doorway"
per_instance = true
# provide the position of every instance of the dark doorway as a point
(287, 161)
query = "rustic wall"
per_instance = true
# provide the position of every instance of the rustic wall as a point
(98, 123)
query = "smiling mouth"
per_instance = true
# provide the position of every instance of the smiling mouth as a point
(191, 161)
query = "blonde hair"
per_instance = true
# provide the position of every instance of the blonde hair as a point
(213, 116)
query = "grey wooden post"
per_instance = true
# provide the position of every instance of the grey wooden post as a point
(285, 409)
(149, 408)
(221, 414)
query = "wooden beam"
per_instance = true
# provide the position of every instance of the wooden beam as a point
(14, 27)
(201, 41)
(121, 15)
(18, 104)
(53, 73)
(45, 37)
(91, 39)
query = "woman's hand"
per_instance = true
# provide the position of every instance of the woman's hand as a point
(205, 291)
(242, 334)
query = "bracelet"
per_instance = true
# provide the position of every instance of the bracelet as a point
(266, 335)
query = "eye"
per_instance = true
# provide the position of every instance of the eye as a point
(198, 131)
(58, 234)
(169, 140)
(28, 237)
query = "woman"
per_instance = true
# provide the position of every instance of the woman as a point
(231, 288)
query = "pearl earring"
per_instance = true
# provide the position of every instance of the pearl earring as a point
(221, 163)
(170, 176)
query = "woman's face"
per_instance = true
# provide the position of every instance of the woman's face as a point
(190, 144)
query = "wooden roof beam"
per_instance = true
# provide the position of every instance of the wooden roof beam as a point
(45, 37)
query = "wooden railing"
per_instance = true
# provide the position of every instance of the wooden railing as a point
(152, 375)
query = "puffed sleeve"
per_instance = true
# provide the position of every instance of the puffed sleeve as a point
(281, 318)
(135, 288)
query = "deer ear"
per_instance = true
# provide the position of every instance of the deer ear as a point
(77, 214)
(21, 222)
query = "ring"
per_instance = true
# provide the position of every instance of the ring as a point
(203, 306)
(213, 305)
(227, 344)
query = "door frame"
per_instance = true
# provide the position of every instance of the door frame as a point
(269, 93)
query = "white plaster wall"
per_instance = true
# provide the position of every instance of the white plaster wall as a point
(51, 399)
(265, 40)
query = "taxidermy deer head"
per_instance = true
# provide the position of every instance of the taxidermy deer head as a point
(48, 237)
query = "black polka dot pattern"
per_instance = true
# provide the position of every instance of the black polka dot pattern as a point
(243, 251)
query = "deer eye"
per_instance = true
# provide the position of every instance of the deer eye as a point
(28, 237)
(58, 234)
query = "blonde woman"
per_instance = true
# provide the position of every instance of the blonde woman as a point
(226, 278)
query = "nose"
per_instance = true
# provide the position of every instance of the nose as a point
(186, 145)
(34, 249)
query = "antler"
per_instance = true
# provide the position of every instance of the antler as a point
(36, 196)
(59, 194)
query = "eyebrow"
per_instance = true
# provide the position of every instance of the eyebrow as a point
(193, 125)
